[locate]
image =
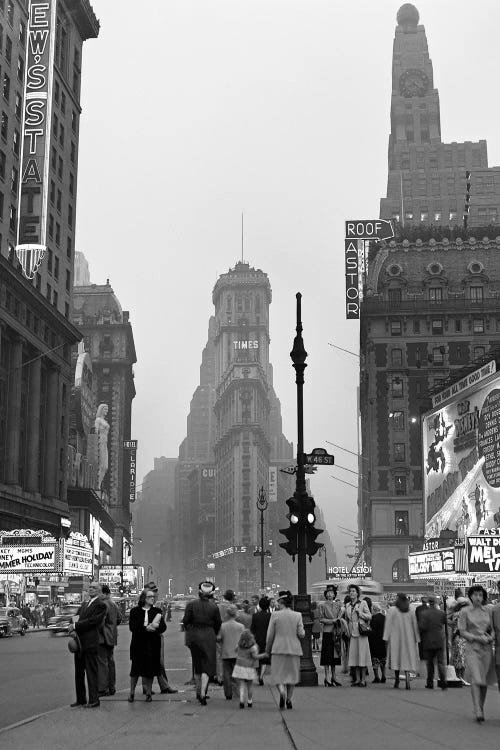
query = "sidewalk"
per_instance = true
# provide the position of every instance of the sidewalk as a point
(347, 718)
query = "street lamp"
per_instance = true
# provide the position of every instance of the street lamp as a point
(261, 507)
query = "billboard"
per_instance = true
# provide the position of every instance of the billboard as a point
(483, 552)
(133, 577)
(22, 559)
(130, 462)
(35, 139)
(435, 562)
(77, 555)
(461, 460)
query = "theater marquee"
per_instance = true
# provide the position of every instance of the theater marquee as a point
(35, 141)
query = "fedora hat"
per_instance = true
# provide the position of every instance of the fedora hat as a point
(74, 643)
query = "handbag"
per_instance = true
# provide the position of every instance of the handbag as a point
(364, 627)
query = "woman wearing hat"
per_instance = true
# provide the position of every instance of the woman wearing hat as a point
(475, 625)
(358, 618)
(202, 623)
(331, 647)
(146, 623)
(283, 643)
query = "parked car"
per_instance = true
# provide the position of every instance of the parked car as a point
(60, 623)
(12, 621)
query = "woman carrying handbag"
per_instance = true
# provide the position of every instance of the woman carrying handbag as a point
(358, 619)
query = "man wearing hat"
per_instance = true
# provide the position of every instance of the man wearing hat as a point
(90, 620)
(202, 622)
(432, 633)
(162, 677)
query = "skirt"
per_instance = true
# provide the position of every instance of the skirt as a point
(359, 652)
(330, 651)
(479, 664)
(285, 669)
(244, 673)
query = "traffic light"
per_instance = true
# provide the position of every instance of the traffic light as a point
(311, 532)
(292, 532)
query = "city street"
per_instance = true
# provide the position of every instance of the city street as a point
(37, 681)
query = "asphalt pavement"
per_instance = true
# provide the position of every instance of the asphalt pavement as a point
(344, 718)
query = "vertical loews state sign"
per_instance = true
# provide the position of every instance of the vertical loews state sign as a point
(35, 148)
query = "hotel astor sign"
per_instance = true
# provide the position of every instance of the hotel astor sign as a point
(35, 141)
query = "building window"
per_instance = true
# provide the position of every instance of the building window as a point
(63, 103)
(437, 327)
(10, 12)
(397, 388)
(51, 226)
(61, 135)
(476, 293)
(424, 216)
(22, 34)
(1, 206)
(49, 294)
(60, 168)
(478, 325)
(479, 352)
(398, 420)
(70, 216)
(56, 267)
(395, 328)
(400, 571)
(438, 355)
(5, 126)
(73, 153)
(68, 281)
(401, 524)
(55, 126)
(395, 295)
(68, 247)
(50, 260)
(71, 184)
(19, 105)
(416, 326)
(20, 70)
(400, 485)
(435, 294)
(14, 180)
(458, 325)
(74, 120)
(6, 87)
(53, 158)
(437, 214)
(15, 142)
(399, 452)
(8, 49)
(453, 216)
(58, 234)
(59, 201)
(52, 191)
(13, 219)
(397, 357)
(2, 165)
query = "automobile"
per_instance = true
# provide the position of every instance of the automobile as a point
(179, 605)
(12, 621)
(60, 623)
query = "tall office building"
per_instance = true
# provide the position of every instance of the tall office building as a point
(431, 307)
(41, 53)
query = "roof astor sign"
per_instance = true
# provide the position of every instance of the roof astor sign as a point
(369, 229)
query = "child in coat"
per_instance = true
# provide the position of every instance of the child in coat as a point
(247, 656)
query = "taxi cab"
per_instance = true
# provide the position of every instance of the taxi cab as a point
(11, 621)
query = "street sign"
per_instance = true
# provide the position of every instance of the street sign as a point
(293, 470)
(319, 457)
(369, 229)
(267, 552)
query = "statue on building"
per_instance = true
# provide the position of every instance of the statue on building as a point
(101, 427)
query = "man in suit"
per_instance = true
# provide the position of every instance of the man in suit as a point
(88, 628)
(107, 641)
(432, 634)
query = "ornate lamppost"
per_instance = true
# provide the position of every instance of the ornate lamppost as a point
(262, 507)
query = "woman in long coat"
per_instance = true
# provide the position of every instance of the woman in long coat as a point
(402, 636)
(378, 648)
(283, 643)
(357, 612)
(476, 626)
(259, 626)
(202, 623)
(146, 624)
(331, 647)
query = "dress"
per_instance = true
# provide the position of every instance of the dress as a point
(283, 643)
(331, 647)
(145, 647)
(202, 622)
(479, 662)
(457, 644)
(402, 636)
(359, 646)
(246, 661)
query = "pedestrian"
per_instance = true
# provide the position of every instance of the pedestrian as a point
(202, 622)
(475, 624)
(418, 612)
(272, 604)
(254, 604)
(244, 615)
(329, 613)
(162, 678)
(244, 670)
(378, 648)
(283, 644)
(169, 612)
(316, 626)
(228, 600)
(431, 626)
(107, 642)
(345, 639)
(457, 642)
(259, 626)
(146, 624)
(495, 617)
(402, 636)
(358, 620)
(228, 638)
(91, 615)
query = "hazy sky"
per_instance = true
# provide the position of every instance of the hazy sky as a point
(197, 110)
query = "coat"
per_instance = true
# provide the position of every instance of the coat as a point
(431, 627)
(284, 633)
(90, 619)
(259, 626)
(109, 631)
(378, 648)
(402, 636)
(229, 635)
(145, 647)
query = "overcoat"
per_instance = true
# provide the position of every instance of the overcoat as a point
(145, 647)
(402, 636)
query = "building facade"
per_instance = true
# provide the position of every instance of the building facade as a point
(36, 333)
(431, 299)
(108, 338)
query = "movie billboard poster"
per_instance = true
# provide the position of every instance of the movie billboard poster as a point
(461, 458)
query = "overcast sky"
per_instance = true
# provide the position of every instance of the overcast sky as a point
(197, 110)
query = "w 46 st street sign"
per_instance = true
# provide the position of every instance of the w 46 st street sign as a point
(356, 232)
(319, 457)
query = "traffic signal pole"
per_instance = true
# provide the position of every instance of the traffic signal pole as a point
(302, 603)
